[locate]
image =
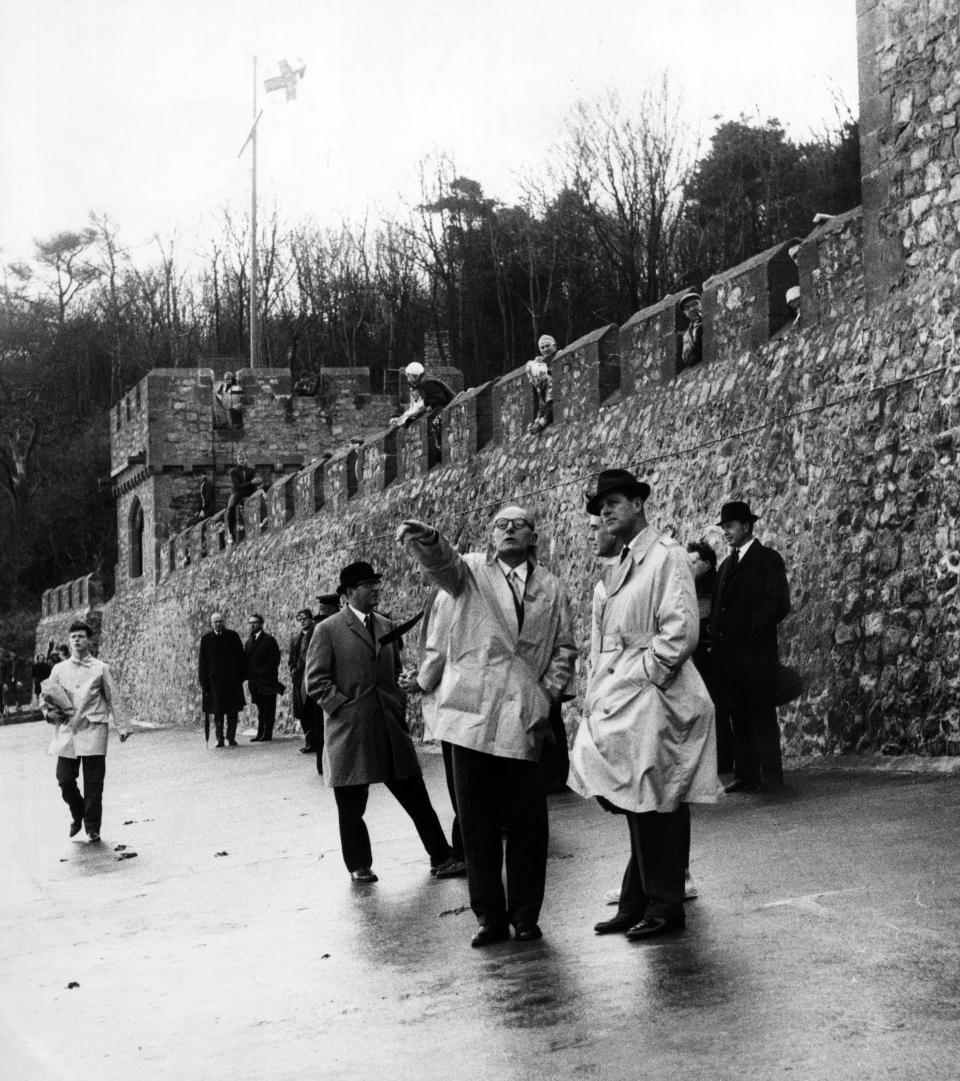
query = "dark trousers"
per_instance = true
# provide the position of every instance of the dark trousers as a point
(266, 714)
(311, 722)
(232, 503)
(659, 854)
(756, 743)
(555, 757)
(411, 794)
(494, 794)
(456, 836)
(231, 726)
(89, 806)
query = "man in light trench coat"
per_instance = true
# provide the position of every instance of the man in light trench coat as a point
(509, 655)
(647, 744)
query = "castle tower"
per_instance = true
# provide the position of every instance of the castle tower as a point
(163, 434)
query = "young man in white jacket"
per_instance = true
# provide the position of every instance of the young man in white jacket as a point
(80, 698)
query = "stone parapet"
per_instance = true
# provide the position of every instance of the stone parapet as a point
(649, 346)
(513, 406)
(745, 306)
(586, 374)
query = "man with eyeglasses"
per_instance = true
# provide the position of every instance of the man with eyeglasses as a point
(509, 655)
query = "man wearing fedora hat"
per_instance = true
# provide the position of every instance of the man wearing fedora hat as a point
(750, 598)
(352, 675)
(509, 653)
(646, 745)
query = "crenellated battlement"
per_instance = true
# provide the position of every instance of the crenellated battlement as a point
(744, 308)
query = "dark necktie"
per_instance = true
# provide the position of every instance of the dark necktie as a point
(516, 588)
(368, 623)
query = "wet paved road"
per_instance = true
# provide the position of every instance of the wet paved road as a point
(825, 943)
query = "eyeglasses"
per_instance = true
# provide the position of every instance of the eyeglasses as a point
(517, 523)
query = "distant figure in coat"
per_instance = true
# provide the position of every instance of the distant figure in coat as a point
(750, 598)
(646, 744)
(354, 680)
(221, 669)
(206, 497)
(262, 659)
(509, 656)
(39, 672)
(244, 481)
(541, 379)
(304, 708)
(691, 337)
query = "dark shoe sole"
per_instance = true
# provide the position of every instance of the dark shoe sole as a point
(616, 926)
(641, 934)
(486, 936)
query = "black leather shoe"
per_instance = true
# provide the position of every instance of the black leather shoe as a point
(742, 786)
(308, 750)
(94, 836)
(651, 926)
(486, 934)
(527, 932)
(616, 925)
(256, 739)
(220, 743)
(363, 874)
(76, 826)
(233, 743)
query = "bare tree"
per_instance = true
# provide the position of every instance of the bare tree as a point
(630, 167)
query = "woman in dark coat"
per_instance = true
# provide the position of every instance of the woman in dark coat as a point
(703, 559)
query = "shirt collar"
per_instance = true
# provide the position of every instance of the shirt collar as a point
(84, 661)
(362, 616)
(520, 571)
(745, 546)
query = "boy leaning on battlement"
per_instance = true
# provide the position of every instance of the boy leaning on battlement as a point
(80, 698)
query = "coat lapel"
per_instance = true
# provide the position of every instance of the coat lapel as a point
(636, 555)
(361, 631)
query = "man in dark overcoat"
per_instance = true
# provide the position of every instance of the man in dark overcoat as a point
(750, 598)
(263, 676)
(222, 670)
(304, 708)
(353, 677)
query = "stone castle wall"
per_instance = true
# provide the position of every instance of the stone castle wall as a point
(842, 431)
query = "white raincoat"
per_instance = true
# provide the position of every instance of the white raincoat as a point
(497, 685)
(647, 740)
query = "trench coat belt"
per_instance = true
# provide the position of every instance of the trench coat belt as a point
(610, 643)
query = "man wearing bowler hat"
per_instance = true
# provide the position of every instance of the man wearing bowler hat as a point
(646, 745)
(354, 680)
(750, 598)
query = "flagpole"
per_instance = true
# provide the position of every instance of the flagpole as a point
(254, 334)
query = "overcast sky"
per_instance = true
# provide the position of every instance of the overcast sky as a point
(139, 107)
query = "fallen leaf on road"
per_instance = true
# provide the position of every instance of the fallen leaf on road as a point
(125, 856)
(72, 984)
(120, 848)
(454, 911)
(221, 853)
